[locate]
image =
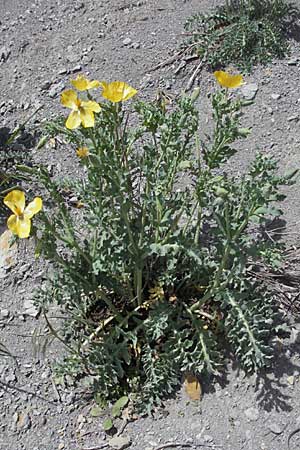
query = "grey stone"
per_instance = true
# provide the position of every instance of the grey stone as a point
(295, 334)
(79, 6)
(119, 442)
(4, 53)
(127, 41)
(4, 314)
(72, 55)
(30, 309)
(62, 71)
(276, 428)
(56, 89)
(24, 421)
(252, 414)
(292, 61)
(275, 96)
(294, 117)
(45, 85)
(249, 91)
(76, 68)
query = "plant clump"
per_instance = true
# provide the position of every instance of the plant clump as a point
(156, 269)
(241, 32)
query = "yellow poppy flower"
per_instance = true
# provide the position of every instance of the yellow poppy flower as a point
(82, 111)
(20, 222)
(83, 84)
(228, 81)
(82, 152)
(117, 91)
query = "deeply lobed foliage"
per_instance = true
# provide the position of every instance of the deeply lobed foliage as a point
(13, 150)
(152, 272)
(241, 32)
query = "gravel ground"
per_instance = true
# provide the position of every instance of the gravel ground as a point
(42, 44)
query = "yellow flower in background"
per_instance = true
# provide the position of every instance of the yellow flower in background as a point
(82, 111)
(82, 152)
(20, 222)
(83, 84)
(228, 81)
(117, 91)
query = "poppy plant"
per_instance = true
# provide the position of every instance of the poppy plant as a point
(81, 83)
(227, 80)
(20, 221)
(117, 91)
(82, 111)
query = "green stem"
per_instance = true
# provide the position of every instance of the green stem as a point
(139, 284)
(190, 217)
(92, 137)
(100, 294)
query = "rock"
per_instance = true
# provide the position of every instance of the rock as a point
(30, 309)
(4, 314)
(294, 117)
(11, 377)
(275, 96)
(24, 421)
(76, 68)
(4, 53)
(56, 89)
(7, 252)
(252, 414)
(127, 41)
(249, 91)
(276, 428)
(72, 55)
(292, 61)
(291, 380)
(136, 45)
(295, 334)
(119, 442)
(62, 71)
(79, 6)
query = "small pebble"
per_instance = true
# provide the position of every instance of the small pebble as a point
(127, 41)
(275, 96)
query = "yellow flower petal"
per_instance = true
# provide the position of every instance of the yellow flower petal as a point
(33, 207)
(12, 222)
(82, 83)
(117, 91)
(20, 227)
(93, 84)
(90, 105)
(87, 118)
(74, 120)
(227, 80)
(82, 152)
(23, 227)
(69, 99)
(15, 201)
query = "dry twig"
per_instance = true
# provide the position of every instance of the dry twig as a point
(98, 447)
(193, 76)
(172, 59)
(182, 444)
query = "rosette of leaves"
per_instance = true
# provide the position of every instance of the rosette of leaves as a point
(242, 32)
(14, 150)
(152, 273)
